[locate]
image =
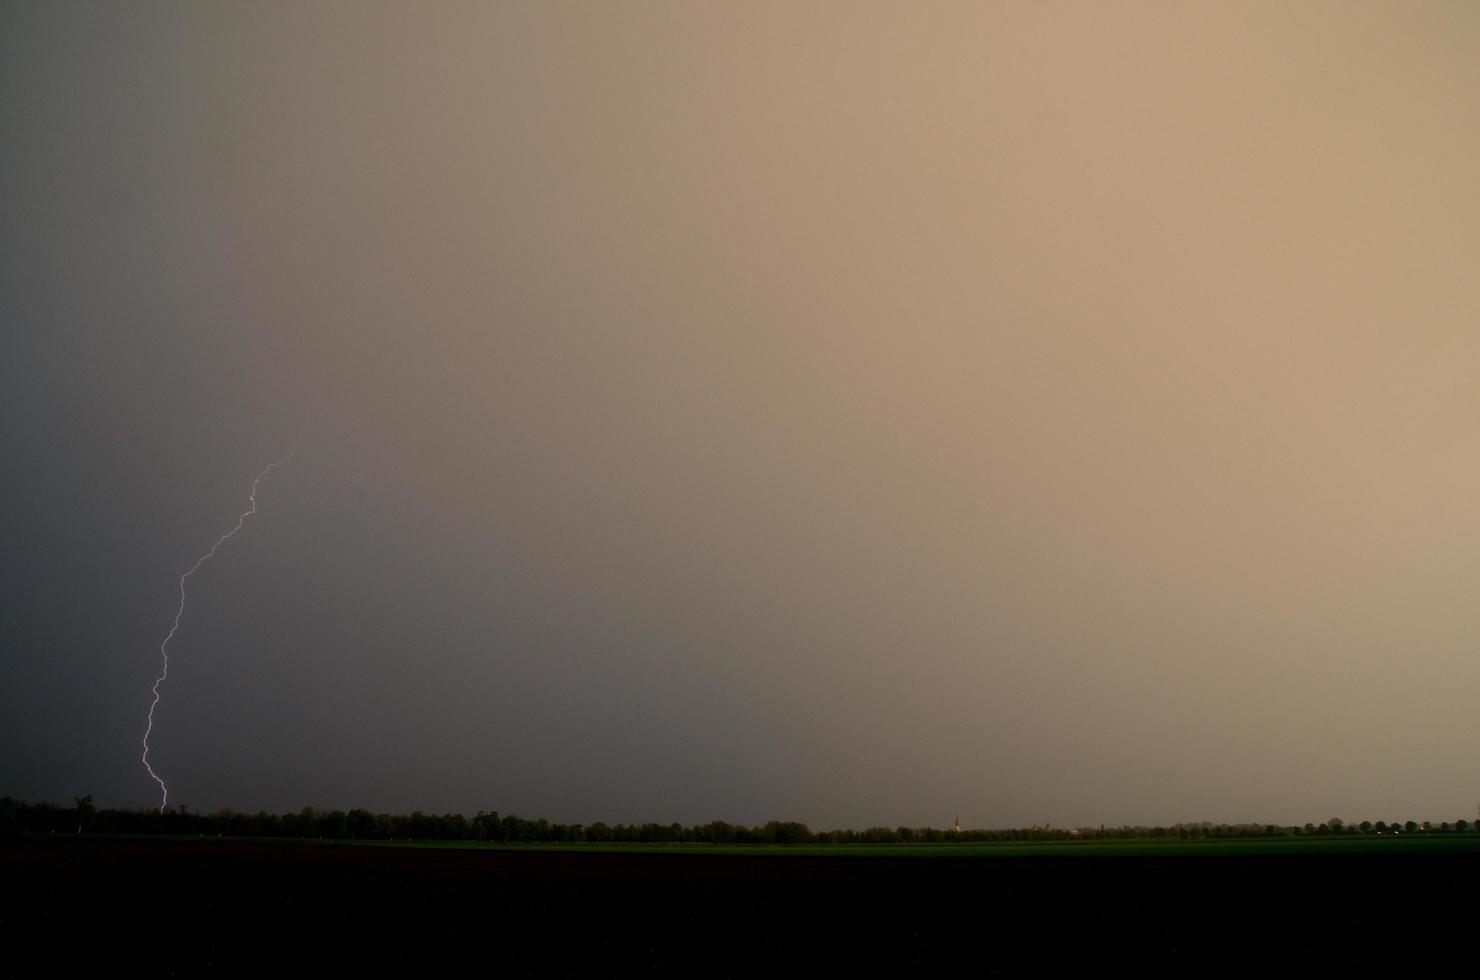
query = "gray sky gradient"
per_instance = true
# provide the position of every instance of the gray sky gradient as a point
(849, 413)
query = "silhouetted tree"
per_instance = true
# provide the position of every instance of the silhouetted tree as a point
(85, 810)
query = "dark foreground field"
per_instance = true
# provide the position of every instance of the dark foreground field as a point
(273, 909)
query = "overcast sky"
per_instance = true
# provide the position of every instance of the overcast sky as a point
(857, 414)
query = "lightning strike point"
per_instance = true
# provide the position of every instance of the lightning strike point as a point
(164, 791)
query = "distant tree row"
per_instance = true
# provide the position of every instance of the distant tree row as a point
(18, 818)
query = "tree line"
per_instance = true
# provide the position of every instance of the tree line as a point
(19, 818)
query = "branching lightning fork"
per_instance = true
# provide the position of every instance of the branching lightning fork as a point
(180, 611)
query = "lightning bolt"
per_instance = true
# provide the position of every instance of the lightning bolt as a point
(180, 611)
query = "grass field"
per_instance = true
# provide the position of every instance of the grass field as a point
(1249, 846)
(1416, 844)
(1358, 906)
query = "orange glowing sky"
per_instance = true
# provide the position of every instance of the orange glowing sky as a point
(854, 413)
